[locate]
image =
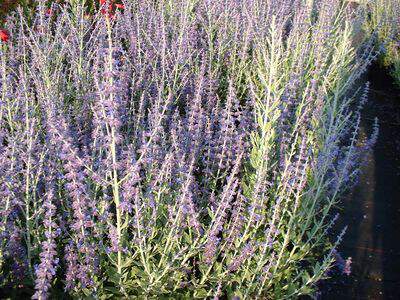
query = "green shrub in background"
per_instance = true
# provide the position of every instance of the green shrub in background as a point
(384, 21)
(7, 6)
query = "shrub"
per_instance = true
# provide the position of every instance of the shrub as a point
(384, 21)
(177, 149)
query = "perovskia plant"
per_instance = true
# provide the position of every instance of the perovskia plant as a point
(177, 148)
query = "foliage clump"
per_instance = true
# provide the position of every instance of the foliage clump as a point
(384, 22)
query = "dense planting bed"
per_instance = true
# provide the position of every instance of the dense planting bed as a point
(181, 149)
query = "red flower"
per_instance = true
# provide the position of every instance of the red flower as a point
(111, 7)
(4, 35)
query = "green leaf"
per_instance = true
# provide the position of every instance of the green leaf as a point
(200, 293)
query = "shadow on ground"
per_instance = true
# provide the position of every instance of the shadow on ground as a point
(372, 212)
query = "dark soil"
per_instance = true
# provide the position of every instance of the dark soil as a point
(372, 212)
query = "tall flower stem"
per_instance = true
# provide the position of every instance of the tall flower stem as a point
(115, 181)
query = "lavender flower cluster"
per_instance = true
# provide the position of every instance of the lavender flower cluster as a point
(179, 148)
